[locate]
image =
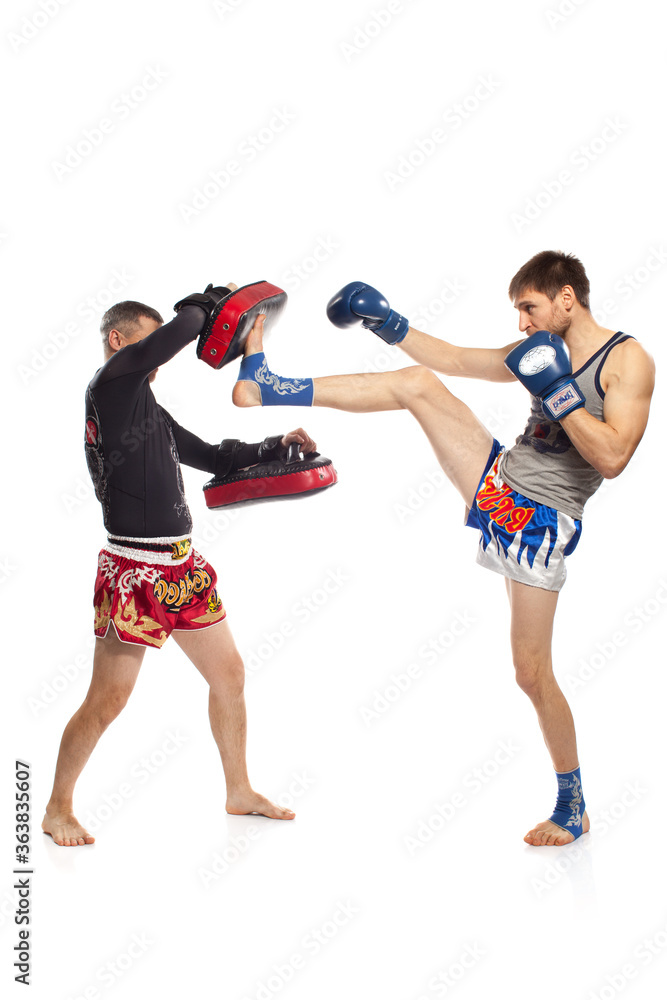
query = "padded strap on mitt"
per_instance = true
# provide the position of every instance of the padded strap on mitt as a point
(281, 477)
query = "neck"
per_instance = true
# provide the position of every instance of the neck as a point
(584, 331)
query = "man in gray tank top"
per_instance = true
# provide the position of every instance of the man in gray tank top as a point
(526, 501)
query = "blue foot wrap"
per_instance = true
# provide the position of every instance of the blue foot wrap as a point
(570, 805)
(274, 390)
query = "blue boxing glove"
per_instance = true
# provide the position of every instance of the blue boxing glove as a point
(357, 302)
(543, 366)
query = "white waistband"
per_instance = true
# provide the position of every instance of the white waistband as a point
(181, 549)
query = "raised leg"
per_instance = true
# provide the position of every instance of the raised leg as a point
(461, 443)
(115, 669)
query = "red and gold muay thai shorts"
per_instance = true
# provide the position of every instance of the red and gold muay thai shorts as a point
(147, 587)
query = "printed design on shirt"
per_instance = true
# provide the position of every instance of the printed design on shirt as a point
(181, 506)
(173, 594)
(92, 432)
(128, 620)
(545, 436)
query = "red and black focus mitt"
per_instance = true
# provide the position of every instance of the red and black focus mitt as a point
(281, 474)
(231, 315)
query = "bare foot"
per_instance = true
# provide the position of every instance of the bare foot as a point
(251, 802)
(247, 393)
(66, 830)
(547, 834)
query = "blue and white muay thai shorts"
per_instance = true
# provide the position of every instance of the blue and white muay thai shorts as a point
(520, 538)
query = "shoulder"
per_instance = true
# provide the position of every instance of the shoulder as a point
(628, 363)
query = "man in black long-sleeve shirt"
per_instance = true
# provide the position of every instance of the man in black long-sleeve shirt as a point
(151, 583)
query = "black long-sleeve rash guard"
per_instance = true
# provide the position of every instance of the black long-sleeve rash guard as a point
(134, 447)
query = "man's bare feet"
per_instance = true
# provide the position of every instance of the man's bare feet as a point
(243, 803)
(66, 830)
(547, 834)
(247, 393)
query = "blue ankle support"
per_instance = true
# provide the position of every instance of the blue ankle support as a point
(570, 805)
(275, 390)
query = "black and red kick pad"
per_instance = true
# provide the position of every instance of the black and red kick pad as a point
(232, 319)
(279, 479)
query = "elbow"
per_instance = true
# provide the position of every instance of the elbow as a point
(612, 468)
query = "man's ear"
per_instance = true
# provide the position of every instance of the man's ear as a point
(568, 296)
(114, 341)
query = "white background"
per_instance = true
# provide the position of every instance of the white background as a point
(358, 90)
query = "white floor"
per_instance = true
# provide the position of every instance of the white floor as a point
(380, 689)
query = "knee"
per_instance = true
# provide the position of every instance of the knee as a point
(106, 706)
(230, 680)
(530, 674)
(416, 383)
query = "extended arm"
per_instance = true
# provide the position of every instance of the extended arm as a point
(357, 303)
(230, 455)
(610, 445)
(467, 362)
(198, 454)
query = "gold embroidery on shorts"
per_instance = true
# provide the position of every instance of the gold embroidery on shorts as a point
(180, 548)
(215, 610)
(102, 613)
(127, 620)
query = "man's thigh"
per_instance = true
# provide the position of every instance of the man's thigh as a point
(116, 664)
(533, 610)
(212, 650)
(461, 442)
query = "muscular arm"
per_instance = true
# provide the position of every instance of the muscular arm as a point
(467, 362)
(610, 445)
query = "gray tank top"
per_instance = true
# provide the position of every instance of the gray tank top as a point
(544, 464)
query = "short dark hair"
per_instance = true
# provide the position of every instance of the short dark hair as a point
(549, 271)
(125, 316)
